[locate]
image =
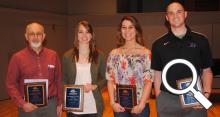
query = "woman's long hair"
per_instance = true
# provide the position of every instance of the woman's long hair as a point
(93, 52)
(139, 36)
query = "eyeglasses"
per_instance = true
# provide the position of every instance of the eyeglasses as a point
(38, 34)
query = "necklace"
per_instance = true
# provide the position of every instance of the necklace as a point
(135, 46)
(130, 50)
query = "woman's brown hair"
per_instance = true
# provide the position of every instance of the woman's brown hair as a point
(93, 52)
(139, 36)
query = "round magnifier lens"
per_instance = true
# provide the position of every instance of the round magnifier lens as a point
(177, 61)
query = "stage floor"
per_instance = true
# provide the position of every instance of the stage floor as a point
(9, 109)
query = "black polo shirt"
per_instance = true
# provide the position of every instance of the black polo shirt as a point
(193, 47)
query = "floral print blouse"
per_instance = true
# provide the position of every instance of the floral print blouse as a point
(129, 69)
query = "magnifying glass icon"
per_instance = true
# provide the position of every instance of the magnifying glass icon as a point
(197, 94)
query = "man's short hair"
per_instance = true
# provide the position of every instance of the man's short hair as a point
(34, 23)
(178, 2)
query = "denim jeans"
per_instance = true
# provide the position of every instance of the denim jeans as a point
(70, 114)
(144, 113)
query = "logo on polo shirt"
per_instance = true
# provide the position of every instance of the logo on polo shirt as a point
(166, 43)
(192, 45)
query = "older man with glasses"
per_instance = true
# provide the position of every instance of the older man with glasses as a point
(35, 63)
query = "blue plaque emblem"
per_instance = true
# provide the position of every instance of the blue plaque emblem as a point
(73, 97)
(35, 93)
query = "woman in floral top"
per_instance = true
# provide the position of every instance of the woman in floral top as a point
(129, 64)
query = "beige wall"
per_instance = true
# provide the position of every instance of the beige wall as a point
(91, 7)
(216, 41)
(63, 6)
(51, 6)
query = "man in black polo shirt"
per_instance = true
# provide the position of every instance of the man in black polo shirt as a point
(180, 43)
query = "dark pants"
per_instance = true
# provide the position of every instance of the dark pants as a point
(168, 105)
(70, 114)
(47, 111)
(144, 113)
